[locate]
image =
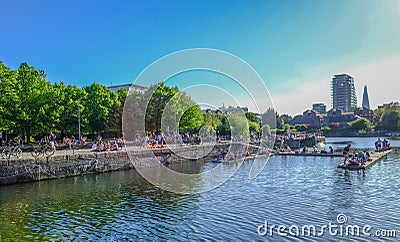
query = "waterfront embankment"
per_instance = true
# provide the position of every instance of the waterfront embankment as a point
(80, 162)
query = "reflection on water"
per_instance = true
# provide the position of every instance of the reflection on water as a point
(356, 142)
(121, 205)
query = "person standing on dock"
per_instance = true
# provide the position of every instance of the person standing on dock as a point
(378, 144)
(52, 140)
(346, 151)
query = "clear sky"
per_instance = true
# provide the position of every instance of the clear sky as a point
(295, 46)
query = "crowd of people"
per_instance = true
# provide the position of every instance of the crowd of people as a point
(359, 158)
(160, 139)
(14, 141)
(382, 145)
(231, 155)
(108, 145)
(316, 151)
(293, 135)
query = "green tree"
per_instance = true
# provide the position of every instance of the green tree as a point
(33, 108)
(223, 127)
(115, 117)
(253, 122)
(252, 117)
(157, 97)
(208, 118)
(191, 120)
(360, 124)
(390, 119)
(67, 98)
(326, 128)
(302, 128)
(9, 100)
(265, 130)
(133, 115)
(167, 106)
(238, 124)
(98, 103)
(254, 127)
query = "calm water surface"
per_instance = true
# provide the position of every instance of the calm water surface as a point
(357, 142)
(122, 206)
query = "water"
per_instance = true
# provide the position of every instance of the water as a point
(122, 206)
(357, 142)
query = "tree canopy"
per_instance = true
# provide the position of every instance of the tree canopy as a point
(360, 124)
(389, 117)
(31, 106)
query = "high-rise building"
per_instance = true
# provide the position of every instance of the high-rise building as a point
(343, 93)
(319, 108)
(365, 100)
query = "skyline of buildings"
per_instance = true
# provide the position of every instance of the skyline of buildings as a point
(319, 107)
(343, 93)
(344, 106)
(343, 96)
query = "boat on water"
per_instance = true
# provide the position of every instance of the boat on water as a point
(352, 166)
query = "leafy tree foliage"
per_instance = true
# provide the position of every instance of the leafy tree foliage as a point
(390, 117)
(167, 107)
(252, 117)
(99, 101)
(31, 106)
(360, 124)
(8, 97)
(66, 100)
(390, 120)
(266, 130)
(191, 120)
(302, 128)
(223, 127)
(34, 112)
(238, 124)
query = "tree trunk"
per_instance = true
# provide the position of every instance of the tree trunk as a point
(28, 135)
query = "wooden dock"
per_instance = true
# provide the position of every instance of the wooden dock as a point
(375, 157)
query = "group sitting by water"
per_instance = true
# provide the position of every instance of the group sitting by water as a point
(382, 145)
(316, 151)
(109, 145)
(359, 158)
(230, 155)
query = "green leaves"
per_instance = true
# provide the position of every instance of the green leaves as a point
(191, 120)
(360, 124)
(32, 106)
(99, 102)
(390, 117)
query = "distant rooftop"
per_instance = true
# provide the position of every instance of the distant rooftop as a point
(129, 87)
(341, 75)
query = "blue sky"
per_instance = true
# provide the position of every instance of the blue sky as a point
(289, 43)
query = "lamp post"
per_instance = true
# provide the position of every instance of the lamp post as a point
(79, 119)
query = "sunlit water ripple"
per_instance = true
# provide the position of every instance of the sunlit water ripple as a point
(121, 205)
